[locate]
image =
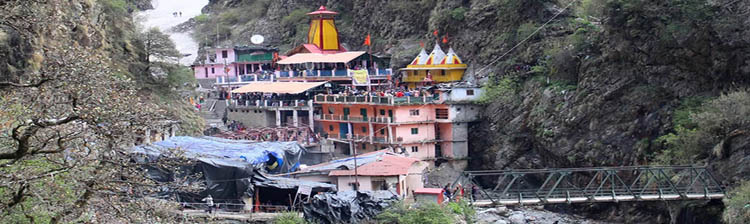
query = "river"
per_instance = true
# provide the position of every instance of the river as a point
(161, 17)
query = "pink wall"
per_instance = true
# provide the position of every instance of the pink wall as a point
(230, 55)
(425, 151)
(446, 134)
(365, 183)
(200, 71)
(426, 132)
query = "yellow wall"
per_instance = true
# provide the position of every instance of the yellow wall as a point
(330, 35)
(313, 35)
(437, 75)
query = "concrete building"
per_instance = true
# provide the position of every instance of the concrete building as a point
(379, 170)
(431, 126)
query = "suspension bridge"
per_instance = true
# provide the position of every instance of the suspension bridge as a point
(587, 185)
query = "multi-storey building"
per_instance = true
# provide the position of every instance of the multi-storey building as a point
(236, 65)
(428, 126)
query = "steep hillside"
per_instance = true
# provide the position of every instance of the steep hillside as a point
(606, 83)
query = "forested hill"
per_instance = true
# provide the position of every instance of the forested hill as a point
(77, 90)
(610, 82)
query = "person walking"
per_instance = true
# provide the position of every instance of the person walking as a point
(447, 192)
(474, 192)
(210, 203)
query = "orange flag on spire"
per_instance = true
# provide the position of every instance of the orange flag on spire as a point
(435, 33)
(367, 40)
(445, 39)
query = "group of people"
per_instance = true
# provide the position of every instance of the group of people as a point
(397, 92)
(458, 193)
(177, 14)
(234, 125)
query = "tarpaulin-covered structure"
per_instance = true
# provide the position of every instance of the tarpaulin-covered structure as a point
(230, 169)
(276, 157)
(348, 206)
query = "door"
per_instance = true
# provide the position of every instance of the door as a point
(390, 114)
(363, 112)
(343, 130)
(438, 150)
(346, 113)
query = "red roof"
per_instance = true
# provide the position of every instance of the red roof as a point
(389, 165)
(322, 10)
(428, 191)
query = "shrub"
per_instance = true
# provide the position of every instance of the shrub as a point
(458, 13)
(430, 213)
(503, 90)
(699, 129)
(202, 18)
(289, 218)
(738, 205)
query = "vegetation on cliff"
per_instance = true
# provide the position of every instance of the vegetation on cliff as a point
(74, 100)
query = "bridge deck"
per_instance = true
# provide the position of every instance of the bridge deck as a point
(590, 185)
(531, 201)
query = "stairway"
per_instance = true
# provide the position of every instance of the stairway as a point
(212, 111)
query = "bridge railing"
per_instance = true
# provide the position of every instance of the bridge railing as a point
(572, 185)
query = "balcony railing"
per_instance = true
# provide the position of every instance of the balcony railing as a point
(335, 117)
(244, 78)
(381, 100)
(358, 138)
(271, 103)
(330, 73)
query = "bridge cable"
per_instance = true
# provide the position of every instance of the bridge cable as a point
(525, 39)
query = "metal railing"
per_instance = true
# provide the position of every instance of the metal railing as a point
(358, 138)
(271, 103)
(600, 184)
(331, 73)
(381, 100)
(336, 117)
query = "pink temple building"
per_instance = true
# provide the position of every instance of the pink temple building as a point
(427, 126)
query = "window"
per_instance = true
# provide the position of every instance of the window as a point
(364, 146)
(382, 112)
(469, 92)
(206, 71)
(441, 113)
(382, 131)
(364, 129)
(224, 54)
(212, 70)
(330, 127)
(414, 112)
(414, 131)
(415, 149)
(442, 72)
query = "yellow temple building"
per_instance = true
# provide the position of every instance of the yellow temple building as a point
(437, 67)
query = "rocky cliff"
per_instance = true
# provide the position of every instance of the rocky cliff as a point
(602, 84)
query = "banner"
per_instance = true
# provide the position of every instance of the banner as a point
(359, 77)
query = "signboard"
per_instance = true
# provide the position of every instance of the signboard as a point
(359, 77)
(304, 189)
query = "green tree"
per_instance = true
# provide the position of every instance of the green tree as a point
(737, 204)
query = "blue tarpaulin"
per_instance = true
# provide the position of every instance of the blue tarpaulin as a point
(285, 154)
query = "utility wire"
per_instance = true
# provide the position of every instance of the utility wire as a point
(525, 39)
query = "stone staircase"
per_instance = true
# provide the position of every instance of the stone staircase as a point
(212, 111)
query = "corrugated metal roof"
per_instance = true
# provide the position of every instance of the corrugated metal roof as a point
(277, 87)
(388, 165)
(301, 58)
